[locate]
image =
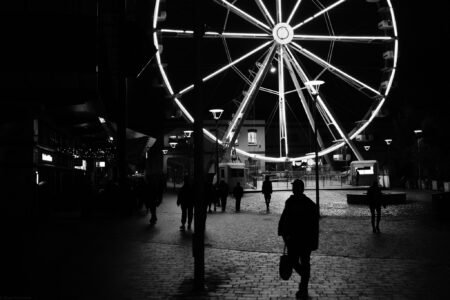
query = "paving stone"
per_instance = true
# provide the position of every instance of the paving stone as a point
(128, 259)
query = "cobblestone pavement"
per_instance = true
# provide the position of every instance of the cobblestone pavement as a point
(128, 259)
(334, 203)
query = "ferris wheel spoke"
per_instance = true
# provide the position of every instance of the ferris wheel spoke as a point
(326, 9)
(279, 12)
(342, 38)
(175, 33)
(237, 35)
(226, 67)
(320, 102)
(282, 104)
(335, 70)
(243, 15)
(293, 11)
(240, 115)
(265, 12)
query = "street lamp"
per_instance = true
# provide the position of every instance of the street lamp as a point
(367, 147)
(164, 151)
(217, 113)
(187, 135)
(418, 132)
(314, 86)
(388, 142)
(173, 144)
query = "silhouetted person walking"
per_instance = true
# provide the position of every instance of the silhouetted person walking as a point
(299, 227)
(160, 187)
(223, 194)
(375, 198)
(210, 193)
(238, 191)
(267, 191)
(154, 190)
(186, 200)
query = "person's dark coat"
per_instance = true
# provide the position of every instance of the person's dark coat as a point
(186, 196)
(210, 193)
(375, 197)
(299, 223)
(267, 187)
(238, 191)
(223, 189)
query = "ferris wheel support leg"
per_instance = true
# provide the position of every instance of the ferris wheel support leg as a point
(282, 105)
(306, 107)
(290, 65)
(242, 112)
(338, 126)
(303, 99)
(323, 104)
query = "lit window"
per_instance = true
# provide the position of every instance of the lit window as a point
(47, 157)
(252, 137)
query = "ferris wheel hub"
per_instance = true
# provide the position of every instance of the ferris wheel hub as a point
(283, 33)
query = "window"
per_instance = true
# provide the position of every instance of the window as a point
(252, 137)
(237, 173)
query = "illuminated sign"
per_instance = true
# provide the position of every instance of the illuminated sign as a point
(366, 170)
(47, 157)
(82, 167)
(100, 164)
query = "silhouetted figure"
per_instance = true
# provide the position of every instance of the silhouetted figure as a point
(299, 227)
(223, 194)
(375, 198)
(154, 189)
(140, 195)
(217, 190)
(238, 191)
(186, 200)
(357, 177)
(210, 193)
(267, 191)
(160, 187)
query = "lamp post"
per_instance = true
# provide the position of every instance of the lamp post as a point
(418, 132)
(187, 135)
(217, 113)
(314, 86)
(388, 142)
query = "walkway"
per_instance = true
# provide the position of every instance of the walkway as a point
(128, 259)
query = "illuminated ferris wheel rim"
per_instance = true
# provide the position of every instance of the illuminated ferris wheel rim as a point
(279, 34)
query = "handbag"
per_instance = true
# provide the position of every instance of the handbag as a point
(285, 265)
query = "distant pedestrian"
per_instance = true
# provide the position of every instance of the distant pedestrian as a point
(148, 193)
(375, 199)
(140, 195)
(160, 187)
(223, 194)
(357, 177)
(267, 191)
(210, 193)
(154, 189)
(299, 227)
(186, 201)
(238, 191)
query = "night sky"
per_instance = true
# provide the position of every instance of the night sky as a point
(419, 85)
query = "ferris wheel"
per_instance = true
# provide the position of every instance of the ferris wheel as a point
(270, 56)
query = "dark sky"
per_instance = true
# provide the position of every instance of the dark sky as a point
(424, 61)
